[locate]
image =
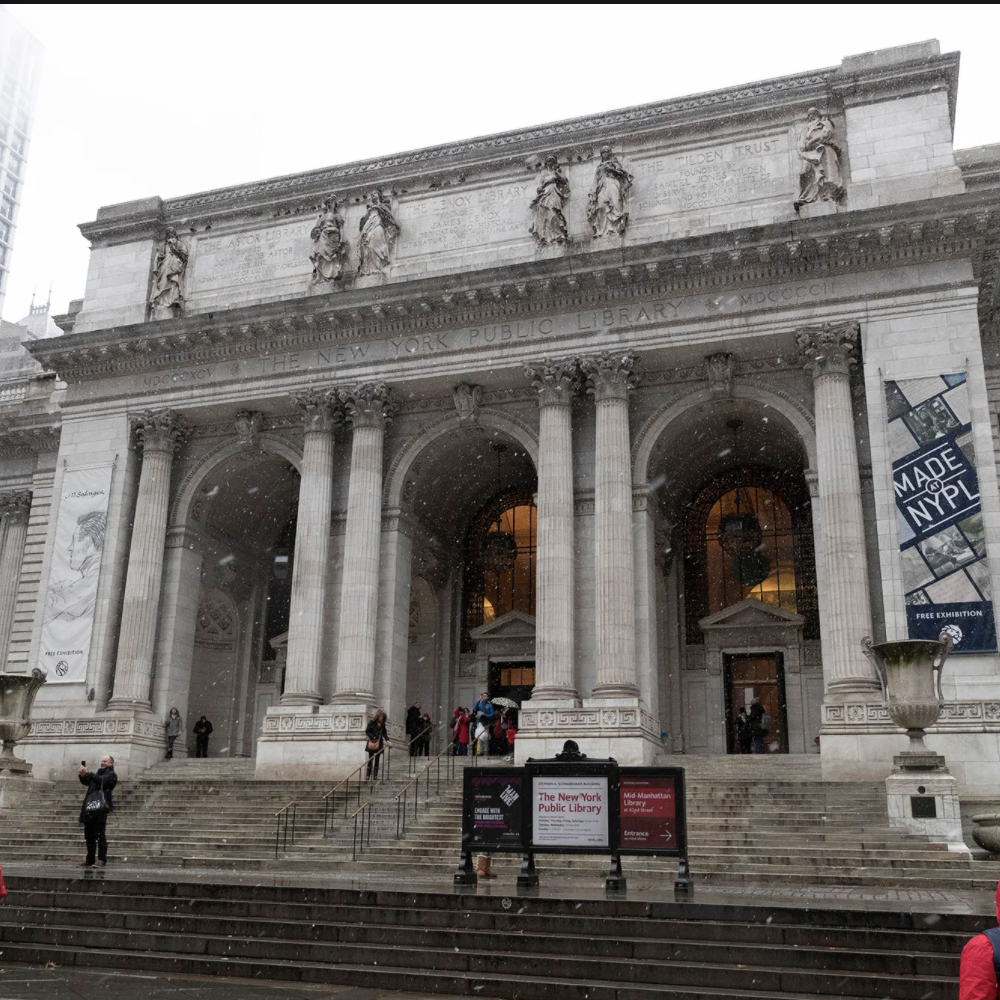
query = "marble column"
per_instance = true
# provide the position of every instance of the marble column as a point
(555, 680)
(369, 407)
(158, 435)
(321, 411)
(830, 352)
(610, 378)
(15, 507)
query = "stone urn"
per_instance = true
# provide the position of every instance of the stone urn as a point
(910, 675)
(17, 695)
(986, 831)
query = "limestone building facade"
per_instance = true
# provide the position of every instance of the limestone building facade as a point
(609, 416)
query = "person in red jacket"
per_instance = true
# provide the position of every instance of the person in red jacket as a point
(978, 974)
(462, 722)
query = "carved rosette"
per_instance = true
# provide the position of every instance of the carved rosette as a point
(468, 398)
(248, 428)
(321, 410)
(557, 381)
(610, 376)
(369, 405)
(831, 349)
(159, 430)
(15, 505)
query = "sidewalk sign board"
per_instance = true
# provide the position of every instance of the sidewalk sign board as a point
(652, 815)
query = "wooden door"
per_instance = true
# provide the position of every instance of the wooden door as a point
(757, 675)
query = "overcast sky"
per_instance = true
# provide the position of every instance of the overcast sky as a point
(165, 100)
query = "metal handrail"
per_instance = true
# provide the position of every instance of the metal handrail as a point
(403, 794)
(281, 826)
(364, 810)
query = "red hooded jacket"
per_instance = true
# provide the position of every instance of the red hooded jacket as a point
(977, 979)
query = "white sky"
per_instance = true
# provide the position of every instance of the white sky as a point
(144, 100)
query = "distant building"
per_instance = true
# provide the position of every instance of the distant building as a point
(20, 63)
(15, 361)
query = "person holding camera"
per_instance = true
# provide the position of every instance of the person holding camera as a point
(97, 803)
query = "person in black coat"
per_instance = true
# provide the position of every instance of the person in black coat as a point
(94, 821)
(202, 731)
(413, 729)
(376, 738)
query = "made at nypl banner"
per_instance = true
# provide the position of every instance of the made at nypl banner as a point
(942, 544)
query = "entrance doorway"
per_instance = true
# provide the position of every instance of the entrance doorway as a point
(756, 675)
(512, 680)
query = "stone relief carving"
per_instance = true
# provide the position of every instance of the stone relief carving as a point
(611, 375)
(468, 398)
(379, 231)
(159, 430)
(369, 405)
(720, 370)
(607, 205)
(321, 410)
(248, 428)
(556, 381)
(15, 505)
(329, 246)
(830, 349)
(166, 299)
(549, 225)
(821, 178)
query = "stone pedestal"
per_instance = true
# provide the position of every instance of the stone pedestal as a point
(926, 792)
(312, 742)
(15, 791)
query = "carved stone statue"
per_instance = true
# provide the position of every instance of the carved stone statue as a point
(607, 206)
(549, 225)
(166, 299)
(821, 178)
(467, 401)
(328, 244)
(379, 231)
(720, 369)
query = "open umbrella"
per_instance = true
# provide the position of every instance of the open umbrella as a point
(505, 702)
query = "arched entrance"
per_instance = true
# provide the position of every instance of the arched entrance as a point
(737, 607)
(245, 510)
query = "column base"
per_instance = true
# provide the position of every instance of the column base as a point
(301, 700)
(552, 697)
(313, 742)
(615, 693)
(602, 727)
(853, 689)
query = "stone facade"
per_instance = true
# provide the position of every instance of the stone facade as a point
(603, 298)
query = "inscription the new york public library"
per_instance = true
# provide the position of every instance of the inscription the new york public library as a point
(635, 316)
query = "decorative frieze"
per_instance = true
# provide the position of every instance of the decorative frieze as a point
(331, 725)
(588, 722)
(119, 729)
(956, 717)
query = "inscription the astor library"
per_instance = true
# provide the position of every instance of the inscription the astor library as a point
(747, 170)
(247, 258)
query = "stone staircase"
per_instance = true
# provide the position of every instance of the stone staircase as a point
(751, 821)
(482, 944)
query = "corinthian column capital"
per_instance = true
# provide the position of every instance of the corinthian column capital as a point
(830, 349)
(15, 505)
(321, 410)
(369, 405)
(557, 381)
(610, 376)
(159, 430)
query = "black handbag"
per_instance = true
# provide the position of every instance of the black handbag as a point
(96, 804)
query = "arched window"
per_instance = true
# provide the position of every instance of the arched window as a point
(749, 550)
(500, 561)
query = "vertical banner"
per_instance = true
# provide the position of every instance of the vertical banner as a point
(942, 546)
(68, 616)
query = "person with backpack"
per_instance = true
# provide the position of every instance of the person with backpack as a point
(760, 724)
(979, 972)
(97, 803)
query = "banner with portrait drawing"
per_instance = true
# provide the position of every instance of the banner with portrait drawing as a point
(942, 547)
(68, 615)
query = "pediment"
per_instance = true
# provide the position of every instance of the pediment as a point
(751, 613)
(279, 641)
(513, 625)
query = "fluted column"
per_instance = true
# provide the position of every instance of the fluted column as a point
(321, 411)
(556, 382)
(369, 407)
(158, 435)
(829, 352)
(610, 378)
(15, 508)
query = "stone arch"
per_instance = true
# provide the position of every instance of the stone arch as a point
(799, 418)
(180, 511)
(490, 419)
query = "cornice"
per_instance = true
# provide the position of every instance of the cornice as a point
(958, 226)
(18, 441)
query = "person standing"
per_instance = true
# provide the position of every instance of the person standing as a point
(202, 731)
(413, 728)
(97, 804)
(174, 727)
(376, 739)
(757, 728)
(979, 971)
(744, 733)
(462, 722)
(424, 743)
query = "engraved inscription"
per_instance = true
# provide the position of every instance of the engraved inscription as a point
(470, 218)
(249, 258)
(749, 170)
